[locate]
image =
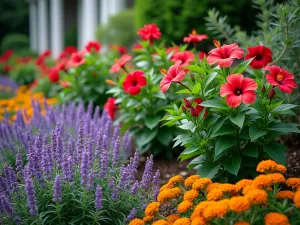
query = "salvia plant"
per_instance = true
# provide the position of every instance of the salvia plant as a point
(75, 180)
(16, 135)
(230, 121)
(199, 201)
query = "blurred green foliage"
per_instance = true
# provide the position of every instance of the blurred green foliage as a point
(177, 18)
(120, 29)
(16, 42)
(71, 36)
(24, 74)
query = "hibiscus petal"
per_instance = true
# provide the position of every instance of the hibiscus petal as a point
(249, 84)
(235, 80)
(290, 83)
(286, 74)
(233, 100)
(179, 77)
(273, 69)
(271, 79)
(138, 73)
(286, 89)
(224, 63)
(126, 86)
(134, 90)
(248, 97)
(226, 89)
(142, 81)
(164, 86)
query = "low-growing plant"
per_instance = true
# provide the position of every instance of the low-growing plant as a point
(83, 183)
(24, 74)
(199, 201)
(229, 137)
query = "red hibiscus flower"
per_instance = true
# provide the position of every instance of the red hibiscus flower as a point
(195, 38)
(133, 82)
(137, 47)
(111, 107)
(175, 74)
(93, 46)
(281, 78)
(149, 32)
(54, 75)
(6, 68)
(65, 84)
(238, 89)
(120, 63)
(224, 55)
(77, 59)
(185, 57)
(262, 54)
(202, 55)
(195, 111)
(46, 53)
(6, 55)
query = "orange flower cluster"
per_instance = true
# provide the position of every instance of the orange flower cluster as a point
(207, 203)
(23, 101)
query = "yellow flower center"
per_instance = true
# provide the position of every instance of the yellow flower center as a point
(279, 77)
(194, 32)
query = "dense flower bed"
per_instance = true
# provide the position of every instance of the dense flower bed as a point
(199, 201)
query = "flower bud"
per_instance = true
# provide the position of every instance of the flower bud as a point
(263, 89)
(194, 112)
(187, 103)
(272, 94)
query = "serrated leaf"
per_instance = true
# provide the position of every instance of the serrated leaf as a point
(239, 120)
(233, 164)
(223, 143)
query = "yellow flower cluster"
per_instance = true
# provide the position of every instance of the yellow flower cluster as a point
(23, 101)
(206, 202)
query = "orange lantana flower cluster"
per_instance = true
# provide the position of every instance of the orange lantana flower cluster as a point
(199, 201)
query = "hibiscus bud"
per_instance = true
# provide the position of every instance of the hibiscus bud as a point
(263, 89)
(110, 82)
(187, 103)
(272, 94)
(194, 112)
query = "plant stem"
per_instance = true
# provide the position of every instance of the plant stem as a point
(253, 215)
(185, 86)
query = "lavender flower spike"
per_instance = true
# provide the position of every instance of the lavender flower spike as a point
(155, 183)
(19, 161)
(84, 168)
(31, 199)
(116, 153)
(131, 216)
(57, 189)
(98, 199)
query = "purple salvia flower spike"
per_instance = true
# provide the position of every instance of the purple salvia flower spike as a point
(104, 163)
(155, 183)
(19, 161)
(131, 216)
(80, 141)
(104, 142)
(84, 168)
(57, 189)
(96, 113)
(147, 173)
(135, 187)
(91, 180)
(116, 152)
(59, 150)
(90, 108)
(98, 197)
(31, 199)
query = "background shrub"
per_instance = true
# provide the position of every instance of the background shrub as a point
(24, 73)
(16, 42)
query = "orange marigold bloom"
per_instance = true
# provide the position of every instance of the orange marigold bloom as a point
(198, 211)
(262, 181)
(217, 209)
(173, 217)
(164, 187)
(275, 218)
(160, 222)
(276, 178)
(164, 196)
(241, 223)
(228, 188)
(191, 180)
(198, 221)
(136, 222)
(184, 206)
(257, 196)
(267, 166)
(281, 169)
(175, 192)
(239, 186)
(175, 180)
(293, 182)
(285, 194)
(182, 221)
(190, 195)
(201, 184)
(214, 195)
(239, 204)
(212, 186)
(148, 218)
(152, 208)
(249, 188)
(297, 199)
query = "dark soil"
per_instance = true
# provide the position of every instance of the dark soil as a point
(292, 155)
